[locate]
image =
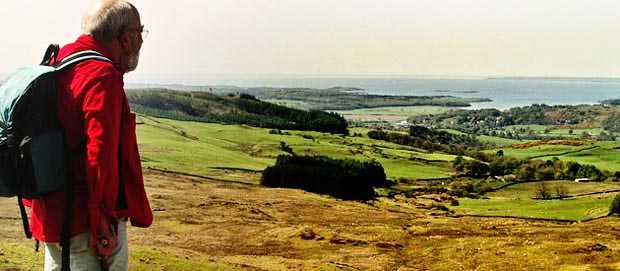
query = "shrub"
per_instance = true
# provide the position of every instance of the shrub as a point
(285, 148)
(458, 193)
(439, 207)
(615, 205)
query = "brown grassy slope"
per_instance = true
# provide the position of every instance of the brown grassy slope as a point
(210, 225)
(283, 229)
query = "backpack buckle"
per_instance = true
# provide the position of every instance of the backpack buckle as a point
(10, 139)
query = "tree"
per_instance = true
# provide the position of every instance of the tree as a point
(526, 172)
(561, 191)
(545, 173)
(585, 135)
(476, 168)
(542, 191)
(458, 163)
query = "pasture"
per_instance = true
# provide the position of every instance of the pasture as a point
(212, 149)
(517, 201)
(605, 155)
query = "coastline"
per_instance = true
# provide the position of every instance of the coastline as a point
(505, 92)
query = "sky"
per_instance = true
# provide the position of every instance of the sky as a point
(568, 38)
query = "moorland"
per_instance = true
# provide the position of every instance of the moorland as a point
(469, 189)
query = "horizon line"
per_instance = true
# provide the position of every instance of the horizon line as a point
(369, 75)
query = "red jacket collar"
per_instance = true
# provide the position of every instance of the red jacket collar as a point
(83, 43)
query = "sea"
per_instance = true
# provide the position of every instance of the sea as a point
(505, 92)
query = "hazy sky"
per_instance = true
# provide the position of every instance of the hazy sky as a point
(336, 37)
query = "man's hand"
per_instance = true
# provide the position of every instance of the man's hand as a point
(106, 241)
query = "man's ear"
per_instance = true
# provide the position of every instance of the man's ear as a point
(125, 39)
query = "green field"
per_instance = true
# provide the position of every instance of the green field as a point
(605, 155)
(542, 151)
(215, 150)
(517, 201)
(207, 148)
(497, 141)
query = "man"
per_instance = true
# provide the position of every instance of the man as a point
(96, 120)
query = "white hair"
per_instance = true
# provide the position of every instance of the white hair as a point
(106, 22)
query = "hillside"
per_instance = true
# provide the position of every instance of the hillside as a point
(541, 114)
(530, 122)
(231, 109)
(230, 226)
(211, 214)
(211, 149)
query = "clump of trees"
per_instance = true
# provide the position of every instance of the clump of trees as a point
(469, 188)
(546, 191)
(612, 123)
(542, 170)
(432, 140)
(341, 178)
(313, 120)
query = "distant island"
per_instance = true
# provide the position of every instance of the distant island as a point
(456, 91)
(344, 98)
(334, 98)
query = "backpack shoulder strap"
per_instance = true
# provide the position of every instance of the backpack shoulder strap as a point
(81, 56)
(50, 54)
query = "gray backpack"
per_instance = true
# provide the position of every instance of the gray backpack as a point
(32, 150)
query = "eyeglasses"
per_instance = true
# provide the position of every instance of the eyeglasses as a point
(143, 32)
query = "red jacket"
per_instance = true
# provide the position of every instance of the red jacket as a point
(93, 110)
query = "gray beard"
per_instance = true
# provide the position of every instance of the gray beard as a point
(132, 61)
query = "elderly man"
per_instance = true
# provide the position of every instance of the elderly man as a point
(95, 117)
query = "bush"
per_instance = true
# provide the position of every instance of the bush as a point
(286, 148)
(615, 205)
(439, 207)
(458, 193)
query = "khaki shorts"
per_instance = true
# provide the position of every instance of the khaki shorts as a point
(81, 260)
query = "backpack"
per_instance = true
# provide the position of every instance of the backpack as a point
(32, 150)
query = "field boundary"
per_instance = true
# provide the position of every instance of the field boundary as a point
(559, 221)
(596, 193)
(564, 153)
(507, 185)
(238, 169)
(568, 196)
(177, 130)
(197, 176)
